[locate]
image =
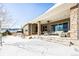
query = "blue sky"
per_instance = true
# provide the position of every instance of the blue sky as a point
(23, 12)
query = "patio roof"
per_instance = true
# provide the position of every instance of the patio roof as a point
(57, 12)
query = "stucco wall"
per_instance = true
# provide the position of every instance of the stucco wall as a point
(26, 30)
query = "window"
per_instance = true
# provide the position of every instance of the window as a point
(60, 27)
(52, 27)
(44, 28)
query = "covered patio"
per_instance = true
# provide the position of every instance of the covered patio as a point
(62, 18)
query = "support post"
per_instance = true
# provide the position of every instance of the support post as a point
(39, 28)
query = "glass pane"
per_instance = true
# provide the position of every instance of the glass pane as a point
(65, 26)
(60, 27)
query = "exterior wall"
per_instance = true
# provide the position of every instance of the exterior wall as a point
(30, 29)
(26, 30)
(74, 22)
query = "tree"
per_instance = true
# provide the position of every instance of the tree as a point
(4, 21)
(2, 13)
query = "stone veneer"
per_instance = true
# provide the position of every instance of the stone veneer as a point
(74, 22)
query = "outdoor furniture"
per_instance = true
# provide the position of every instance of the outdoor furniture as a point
(45, 33)
(65, 34)
(59, 32)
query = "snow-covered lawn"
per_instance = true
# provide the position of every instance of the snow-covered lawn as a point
(17, 46)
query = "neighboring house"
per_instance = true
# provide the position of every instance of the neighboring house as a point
(14, 31)
(63, 17)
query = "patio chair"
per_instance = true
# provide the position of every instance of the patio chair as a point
(65, 34)
(59, 33)
(45, 33)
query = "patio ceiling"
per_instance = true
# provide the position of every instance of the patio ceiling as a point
(59, 12)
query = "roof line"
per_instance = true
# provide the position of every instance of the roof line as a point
(56, 5)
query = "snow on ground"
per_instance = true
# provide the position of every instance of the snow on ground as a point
(17, 46)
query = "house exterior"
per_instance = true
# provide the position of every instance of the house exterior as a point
(61, 17)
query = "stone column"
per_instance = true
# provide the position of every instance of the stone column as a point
(39, 28)
(31, 29)
(74, 22)
(48, 26)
